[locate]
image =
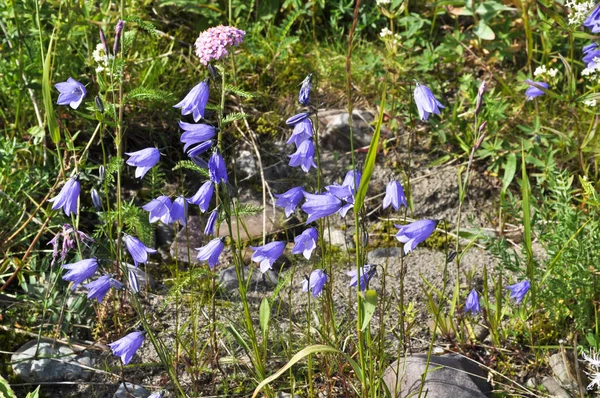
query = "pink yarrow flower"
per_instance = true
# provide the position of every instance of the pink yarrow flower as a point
(212, 43)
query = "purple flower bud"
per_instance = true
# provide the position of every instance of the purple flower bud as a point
(101, 286)
(199, 150)
(480, 93)
(267, 254)
(304, 156)
(67, 197)
(80, 271)
(315, 282)
(519, 290)
(138, 250)
(144, 160)
(195, 134)
(118, 30)
(289, 200)
(99, 103)
(394, 195)
(159, 209)
(203, 197)
(216, 168)
(71, 93)
(101, 173)
(319, 206)
(127, 346)
(211, 252)
(593, 20)
(297, 119)
(178, 211)
(210, 224)
(302, 131)
(134, 285)
(472, 303)
(306, 242)
(426, 102)
(195, 101)
(414, 233)
(96, 199)
(103, 40)
(532, 91)
(304, 96)
(366, 273)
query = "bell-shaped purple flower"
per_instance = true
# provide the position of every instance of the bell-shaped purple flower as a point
(472, 303)
(426, 102)
(315, 282)
(590, 52)
(302, 131)
(138, 250)
(300, 117)
(290, 199)
(352, 180)
(203, 197)
(159, 209)
(394, 195)
(134, 285)
(80, 271)
(414, 233)
(533, 92)
(101, 286)
(593, 20)
(71, 93)
(304, 156)
(319, 206)
(211, 252)
(96, 199)
(306, 242)
(67, 197)
(195, 101)
(217, 170)
(366, 273)
(178, 211)
(199, 150)
(195, 134)
(267, 254)
(519, 290)
(155, 395)
(127, 346)
(144, 160)
(209, 229)
(304, 96)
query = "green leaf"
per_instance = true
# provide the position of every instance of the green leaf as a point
(47, 96)
(238, 91)
(5, 390)
(238, 337)
(484, 32)
(188, 164)
(34, 394)
(368, 303)
(510, 168)
(264, 315)
(232, 117)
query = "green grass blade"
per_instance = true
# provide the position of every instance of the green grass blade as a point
(47, 95)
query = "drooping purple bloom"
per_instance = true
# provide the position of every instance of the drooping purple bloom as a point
(209, 229)
(304, 156)
(211, 252)
(472, 303)
(292, 121)
(394, 195)
(178, 211)
(366, 273)
(96, 199)
(68, 236)
(159, 209)
(144, 160)
(203, 197)
(118, 30)
(352, 180)
(267, 254)
(195, 134)
(101, 286)
(138, 250)
(319, 206)
(426, 102)
(304, 96)
(67, 197)
(195, 101)
(519, 290)
(302, 131)
(199, 150)
(533, 92)
(590, 52)
(216, 168)
(71, 93)
(315, 282)
(290, 199)
(593, 20)
(306, 242)
(127, 346)
(103, 41)
(80, 271)
(414, 233)
(134, 285)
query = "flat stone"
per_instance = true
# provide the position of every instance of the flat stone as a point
(55, 362)
(379, 256)
(554, 388)
(449, 376)
(337, 238)
(336, 127)
(128, 390)
(565, 374)
(267, 281)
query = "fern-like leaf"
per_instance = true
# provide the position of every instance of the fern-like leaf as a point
(144, 25)
(232, 117)
(143, 93)
(189, 165)
(238, 91)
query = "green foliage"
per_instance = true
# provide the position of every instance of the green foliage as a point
(189, 165)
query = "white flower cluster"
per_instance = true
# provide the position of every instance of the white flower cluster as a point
(385, 32)
(383, 2)
(579, 10)
(542, 71)
(101, 58)
(590, 102)
(593, 362)
(388, 35)
(592, 71)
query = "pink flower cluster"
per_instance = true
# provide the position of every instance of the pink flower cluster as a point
(212, 43)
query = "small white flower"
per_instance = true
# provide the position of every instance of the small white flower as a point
(552, 72)
(590, 103)
(540, 70)
(578, 10)
(594, 358)
(595, 380)
(385, 32)
(383, 2)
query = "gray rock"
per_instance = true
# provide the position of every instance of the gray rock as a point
(449, 376)
(258, 281)
(565, 374)
(337, 129)
(554, 389)
(128, 390)
(337, 238)
(379, 256)
(245, 163)
(287, 395)
(54, 362)
(164, 234)
(143, 278)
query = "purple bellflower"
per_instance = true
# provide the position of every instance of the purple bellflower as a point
(294, 120)
(159, 209)
(290, 199)
(216, 168)
(593, 20)
(96, 199)
(315, 282)
(519, 290)
(144, 160)
(71, 93)
(352, 180)
(304, 96)
(590, 52)
(67, 197)
(199, 150)
(267, 254)
(209, 229)
(211, 252)
(101, 286)
(472, 303)
(302, 131)
(426, 102)
(366, 273)
(195, 101)
(134, 285)
(80, 271)
(304, 156)
(195, 134)
(178, 211)
(414, 233)
(533, 92)
(68, 235)
(203, 197)
(394, 195)
(155, 395)
(319, 206)
(306, 242)
(127, 346)
(138, 250)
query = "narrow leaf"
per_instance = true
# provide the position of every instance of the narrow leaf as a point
(264, 315)
(510, 168)
(369, 304)
(47, 95)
